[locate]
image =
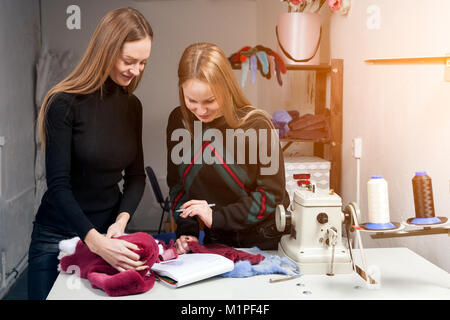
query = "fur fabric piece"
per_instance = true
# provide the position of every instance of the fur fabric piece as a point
(253, 68)
(244, 72)
(103, 276)
(68, 246)
(226, 251)
(262, 57)
(167, 251)
(117, 284)
(272, 264)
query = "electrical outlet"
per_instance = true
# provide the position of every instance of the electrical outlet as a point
(357, 148)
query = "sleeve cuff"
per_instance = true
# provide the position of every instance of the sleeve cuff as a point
(218, 220)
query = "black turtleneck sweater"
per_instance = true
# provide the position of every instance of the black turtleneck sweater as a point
(93, 142)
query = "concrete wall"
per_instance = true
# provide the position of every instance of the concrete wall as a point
(19, 45)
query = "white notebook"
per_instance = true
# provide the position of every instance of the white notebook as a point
(191, 267)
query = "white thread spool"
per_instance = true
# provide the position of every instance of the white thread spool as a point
(378, 200)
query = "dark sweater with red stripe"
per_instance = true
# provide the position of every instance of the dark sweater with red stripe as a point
(244, 198)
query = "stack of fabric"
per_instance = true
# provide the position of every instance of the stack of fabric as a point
(305, 127)
(281, 120)
(248, 263)
(75, 256)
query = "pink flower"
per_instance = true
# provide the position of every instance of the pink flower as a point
(335, 5)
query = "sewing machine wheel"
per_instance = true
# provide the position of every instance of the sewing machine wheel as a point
(352, 213)
(280, 218)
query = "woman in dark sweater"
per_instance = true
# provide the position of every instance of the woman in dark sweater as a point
(227, 172)
(91, 131)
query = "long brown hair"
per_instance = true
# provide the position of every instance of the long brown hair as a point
(116, 27)
(208, 63)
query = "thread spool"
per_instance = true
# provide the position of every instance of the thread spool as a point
(378, 204)
(423, 200)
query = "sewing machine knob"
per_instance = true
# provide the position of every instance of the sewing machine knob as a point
(280, 218)
(322, 218)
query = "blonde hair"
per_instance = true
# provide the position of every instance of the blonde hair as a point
(207, 62)
(116, 27)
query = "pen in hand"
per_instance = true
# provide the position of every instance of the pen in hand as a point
(211, 205)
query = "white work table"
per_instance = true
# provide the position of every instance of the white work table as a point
(404, 275)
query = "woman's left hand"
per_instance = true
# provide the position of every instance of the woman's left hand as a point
(199, 208)
(117, 229)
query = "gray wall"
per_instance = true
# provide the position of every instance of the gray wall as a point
(19, 45)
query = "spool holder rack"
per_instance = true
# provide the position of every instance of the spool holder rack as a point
(420, 231)
(352, 223)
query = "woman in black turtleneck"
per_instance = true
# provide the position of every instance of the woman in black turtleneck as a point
(91, 130)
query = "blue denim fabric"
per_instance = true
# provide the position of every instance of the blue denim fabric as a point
(43, 260)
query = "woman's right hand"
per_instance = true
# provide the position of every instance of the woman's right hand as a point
(181, 245)
(118, 253)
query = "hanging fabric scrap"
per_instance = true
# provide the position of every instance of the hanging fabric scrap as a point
(258, 58)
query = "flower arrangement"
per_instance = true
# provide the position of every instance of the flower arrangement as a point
(341, 6)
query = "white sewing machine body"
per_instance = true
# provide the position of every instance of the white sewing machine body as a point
(316, 223)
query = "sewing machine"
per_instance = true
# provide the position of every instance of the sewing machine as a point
(315, 241)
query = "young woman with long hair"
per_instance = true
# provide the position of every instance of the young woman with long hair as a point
(91, 132)
(234, 201)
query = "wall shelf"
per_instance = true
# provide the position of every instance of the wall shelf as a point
(321, 67)
(289, 141)
(334, 144)
(335, 70)
(445, 60)
(410, 60)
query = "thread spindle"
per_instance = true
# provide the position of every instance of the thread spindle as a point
(378, 204)
(423, 199)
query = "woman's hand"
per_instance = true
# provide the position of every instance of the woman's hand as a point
(181, 245)
(117, 229)
(199, 208)
(118, 253)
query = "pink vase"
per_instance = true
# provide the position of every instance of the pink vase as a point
(298, 36)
